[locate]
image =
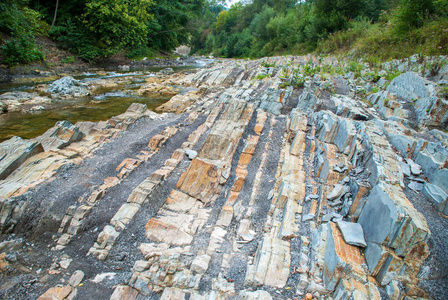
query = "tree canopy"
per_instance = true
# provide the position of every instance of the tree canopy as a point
(97, 29)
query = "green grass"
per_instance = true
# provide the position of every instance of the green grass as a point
(262, 76)
(68, 60)
(444, 92)
(381, 42)
(391, 75)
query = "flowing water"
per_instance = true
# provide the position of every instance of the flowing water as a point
(102, 106)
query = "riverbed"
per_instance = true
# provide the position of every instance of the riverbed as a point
(100, 106)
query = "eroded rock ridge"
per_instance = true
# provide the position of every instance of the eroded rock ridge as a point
(269, 180)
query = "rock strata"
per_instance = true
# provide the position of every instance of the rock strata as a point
(242, 188)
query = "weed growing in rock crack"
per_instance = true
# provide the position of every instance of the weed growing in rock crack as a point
(434, 67)
(295, 80)
(372, 76)
(327, 68)
(356, 68)
(267, 65)
(444, 92)
(310, 70)
(262, 76)
(392, 74)
(375, 90)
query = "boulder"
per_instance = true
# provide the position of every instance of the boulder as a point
(191, 153)
(408, 86)
(338, 191)
(124, 292)
(61, 135)
(307, 102)
(326, 126)
(76, 278)
(14, 152)
(200, 263)
(440, 178)
(345, 138)
(68, 86)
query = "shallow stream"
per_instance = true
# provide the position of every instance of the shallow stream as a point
(101, 106)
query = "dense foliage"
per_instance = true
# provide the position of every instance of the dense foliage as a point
(21, 24)
(268, 27)
(97, 29)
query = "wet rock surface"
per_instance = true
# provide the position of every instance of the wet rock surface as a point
(241, 188)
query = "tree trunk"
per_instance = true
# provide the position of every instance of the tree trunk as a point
(55, 14)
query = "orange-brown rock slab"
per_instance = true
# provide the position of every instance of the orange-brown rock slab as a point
(159, 231)
(201, 180)
(59, 292)
(124, 292)
(156, 141)
(341, 260)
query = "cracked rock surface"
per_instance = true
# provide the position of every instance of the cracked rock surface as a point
(241, 188)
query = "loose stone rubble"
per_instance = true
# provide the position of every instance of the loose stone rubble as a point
(244, 188)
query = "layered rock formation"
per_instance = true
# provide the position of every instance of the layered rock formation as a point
(270, 179)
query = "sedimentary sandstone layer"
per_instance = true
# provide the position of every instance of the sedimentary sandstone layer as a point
(271, 179)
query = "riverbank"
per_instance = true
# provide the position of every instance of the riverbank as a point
(59, 63)
(31, 105)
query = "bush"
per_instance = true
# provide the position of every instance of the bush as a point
(21, 49)
(68, 60)
(412, 14)
(20, 23)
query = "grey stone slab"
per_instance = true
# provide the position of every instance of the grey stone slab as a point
(352, 233)
(436, 195)
(307, 217)
(373, 254)
(415, 185)
(346, 135)
(14, 152)
(62, 134)
(378, 216)
(405, 169)
(338, 191)
(431, 157)
(408, 86)
(327, 218)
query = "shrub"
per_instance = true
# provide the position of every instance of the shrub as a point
(21, 49)
(412, 14)
(68, 60)
(20, 23)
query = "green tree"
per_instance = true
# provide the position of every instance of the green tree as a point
(21, 24)
(171, 25)
(118, 24)
(413, 13)
(221, 20)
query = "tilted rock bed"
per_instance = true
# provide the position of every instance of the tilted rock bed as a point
(244, 188)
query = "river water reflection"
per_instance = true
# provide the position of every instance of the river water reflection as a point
(101, 106)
